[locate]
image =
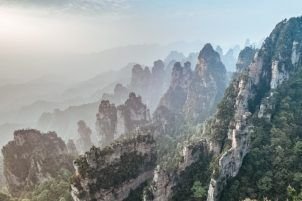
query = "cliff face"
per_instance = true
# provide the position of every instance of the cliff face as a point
(245, 58)
(106, 122)
(140, 78)
(84, 142)
(195, 93)
(250, 98)
(207, 87)
(112, 121)
(175, 98)
(132, 115)
(149, 84)
(157, 83)
(32, 158)
(277, 59)
(111, 173)
(169, 185)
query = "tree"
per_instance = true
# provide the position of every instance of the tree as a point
(265, 184)
(298, 148)
(293, 195)
(198, 190)
(4, 197)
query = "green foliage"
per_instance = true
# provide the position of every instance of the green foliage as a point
(275, 160)
(265, 184)
(4, 197)
(219, 126)
(169, 146)
(293, 195)
(52, 190)
(189, 180)
(57, 189)
(298, 148)
(198, 190)
(130, 166)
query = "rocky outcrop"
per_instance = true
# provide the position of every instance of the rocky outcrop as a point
(176, 96)
(111, 173)
(238, 134)
(84, 142)
(208, 85)
(157, 85)
(132, 115)
(162, 184)
(272, 65)
(245, 58)
(194, 94)
(249, 97)
(149, 84)
(106, 122)
(140, 78)
(112, 121)
(165, 184)
(33, 157)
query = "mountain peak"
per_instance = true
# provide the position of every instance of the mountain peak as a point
(208, 52)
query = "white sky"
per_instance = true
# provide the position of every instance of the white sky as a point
(84, 26)
(72, 28)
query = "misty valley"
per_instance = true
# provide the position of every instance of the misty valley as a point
(179, 121)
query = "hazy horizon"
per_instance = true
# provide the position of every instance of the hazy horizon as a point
(48, 36)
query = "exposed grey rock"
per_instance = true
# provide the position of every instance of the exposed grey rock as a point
(245, 58)
(32, 158)
(272, 65)
(175, 98)
(112, 121)
(194, 94)
(84, 132)
(207, 87)
(111, 173)
(133, 114)
(164, 181)
(162, 185)
(106, 122)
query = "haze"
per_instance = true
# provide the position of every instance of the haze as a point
(46, 37)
